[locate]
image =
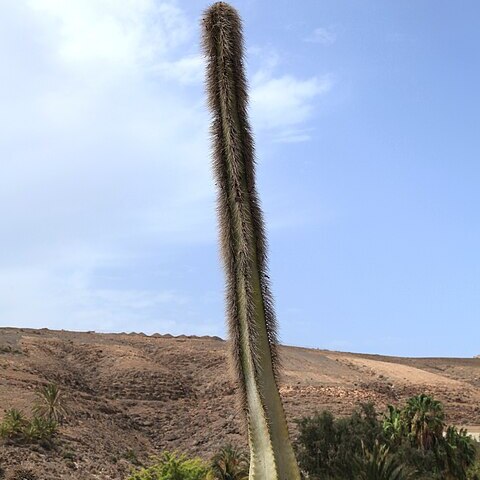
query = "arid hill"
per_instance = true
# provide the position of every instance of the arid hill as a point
(131, 396)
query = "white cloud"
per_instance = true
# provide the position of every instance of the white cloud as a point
(65, 299)
(125, 33)
(323, 36)
(282, 104)
(94, 138)
(187, 70)
(105, 152)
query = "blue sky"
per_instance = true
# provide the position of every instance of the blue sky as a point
(366, 123)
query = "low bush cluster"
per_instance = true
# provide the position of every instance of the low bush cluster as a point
(48, 412)
(228, 464)
(408, 443)
(172, 466)
(412, 442)
(16, 428)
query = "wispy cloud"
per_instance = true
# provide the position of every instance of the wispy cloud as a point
(188, 70)
(105, 152)
(126, 34)
(323, 36)
(283, 104)
(96, 160)
(67, 299)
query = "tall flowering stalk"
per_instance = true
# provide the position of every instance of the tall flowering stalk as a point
(251, 316)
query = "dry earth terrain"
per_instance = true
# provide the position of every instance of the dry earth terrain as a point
(131, 396)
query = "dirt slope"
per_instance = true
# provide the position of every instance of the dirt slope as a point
(134, 396)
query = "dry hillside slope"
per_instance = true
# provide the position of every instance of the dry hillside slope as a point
(131, 395)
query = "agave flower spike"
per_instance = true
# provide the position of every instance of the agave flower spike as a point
(251, 317)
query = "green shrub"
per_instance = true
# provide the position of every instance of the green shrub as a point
(458, 452)
(16, 428)
(393, 425)
(415, 437)
(50, 403)
(449, 455)
(473, 472)
(40, 429)
(173, 466)
(380, 464)
(229, 464)
(13, 424)
(326, 447)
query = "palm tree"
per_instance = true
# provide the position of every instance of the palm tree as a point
(425, 420)
(393, 424)
(378, 464)
(50, 404)
(458, 453)
(229, 464)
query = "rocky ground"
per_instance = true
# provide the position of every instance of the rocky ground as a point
(130, 396)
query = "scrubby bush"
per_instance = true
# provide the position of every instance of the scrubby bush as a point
(326, 446)
(173, 466)
(16, 428)
(50, 404)
(13, 424)
(474, 471)
(414, 439)
(229, 464)
(41, 430)
(48, 411)
(380, 464)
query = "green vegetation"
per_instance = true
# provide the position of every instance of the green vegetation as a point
(379, 464)
(229, 464)
(12, 425)
(412, 442)
(17, 429)
(50, 404)
(327, 447)
(42, 427)
(40, 430)
(173, 466)
(423, 418)
(356, 447)
(251, 316)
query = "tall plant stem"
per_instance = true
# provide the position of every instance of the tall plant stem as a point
(250, 310)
